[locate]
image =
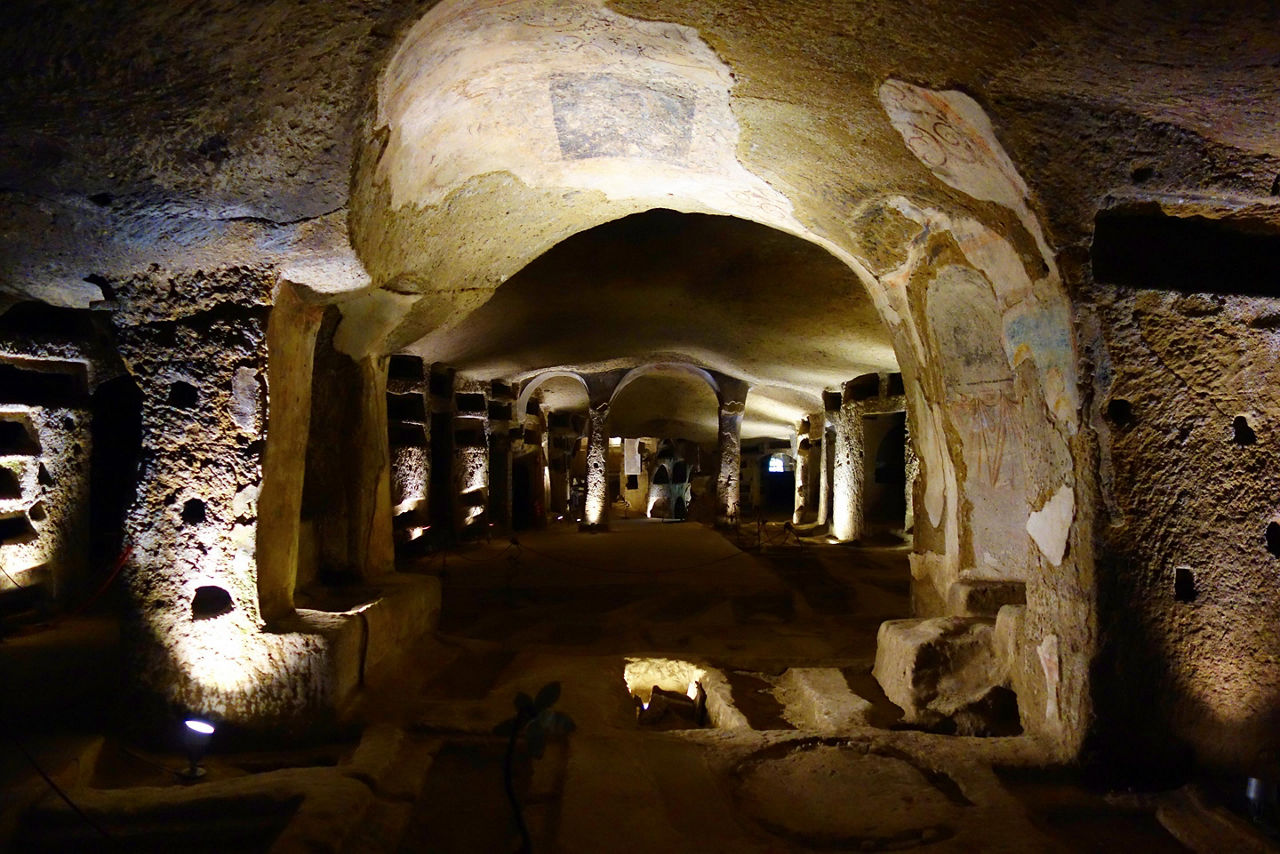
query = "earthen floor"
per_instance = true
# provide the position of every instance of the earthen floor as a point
(425, 771)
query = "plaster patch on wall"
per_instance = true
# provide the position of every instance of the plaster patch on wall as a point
(951, 135)
(995, 256)
(965, 322)
(1042, 331)
(1049, 663)
(246, 393)
(245, 503)
(1051, 524)
(940, 481)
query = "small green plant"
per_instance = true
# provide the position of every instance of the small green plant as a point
(537, 722)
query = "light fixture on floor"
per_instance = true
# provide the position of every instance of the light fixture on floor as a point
(196, 737)
(1263, 797)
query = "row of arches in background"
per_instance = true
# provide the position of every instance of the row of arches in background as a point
(532, 385)
(769, 475)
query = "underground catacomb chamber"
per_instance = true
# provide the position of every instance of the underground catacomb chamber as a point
(919, 311)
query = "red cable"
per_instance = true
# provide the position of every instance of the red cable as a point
(120, 562)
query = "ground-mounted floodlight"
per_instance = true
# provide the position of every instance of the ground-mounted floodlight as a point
(197, 734)
(1263, 797)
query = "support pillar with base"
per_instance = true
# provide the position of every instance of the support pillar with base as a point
(595, 516)
(802, 475)
(733, 402)
(848, 473)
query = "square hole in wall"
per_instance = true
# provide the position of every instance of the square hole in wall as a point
(406, 368)
(406, 407)
(470, 402)
(1184, 584)
(469, 439)
(17, 436)
(44, 382)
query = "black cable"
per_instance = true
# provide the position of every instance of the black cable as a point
(153, 763)
(58, 791)
(12, 580)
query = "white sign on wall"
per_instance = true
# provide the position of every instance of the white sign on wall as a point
(631, 456)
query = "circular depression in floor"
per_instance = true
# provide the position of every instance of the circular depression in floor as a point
(847, 796)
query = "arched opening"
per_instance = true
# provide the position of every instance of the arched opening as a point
(593, 255)
(958, 386)
(778, 485)
(886, 482)
(665, 413)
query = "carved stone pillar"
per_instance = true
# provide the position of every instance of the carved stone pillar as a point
(291, 336)
(596, 509)
(848, 473)
(913, 471)
(733, 402)
(802, 477)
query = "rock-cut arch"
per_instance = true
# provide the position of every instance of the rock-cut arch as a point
(532, 385)
(666, 367)
(498, 129)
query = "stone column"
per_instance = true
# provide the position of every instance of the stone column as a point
(291, 344)
(848, 473)
(566, 491)
(802, 476)
(913, 472)
(733, 402)
(440, 493)
(596, 509)
(348, 481)
(409, 424)
(560, 474)
(824, 479)
(371, 548)
(815, 454)
(501, 421)
(831, 409)
(500, 478)
(471, 460)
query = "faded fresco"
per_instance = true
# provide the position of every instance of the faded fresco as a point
(1023, 311)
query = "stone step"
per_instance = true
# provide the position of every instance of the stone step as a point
(819, 698)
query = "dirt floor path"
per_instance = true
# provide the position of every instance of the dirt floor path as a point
(763, 730)
(576, 609)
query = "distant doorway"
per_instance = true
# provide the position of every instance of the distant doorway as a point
(778, 485)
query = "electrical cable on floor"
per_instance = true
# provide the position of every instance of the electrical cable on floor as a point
(153, 763)
(12, 580)
(60, 793)
(115, 570)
